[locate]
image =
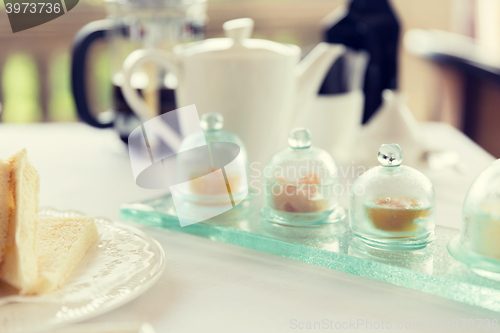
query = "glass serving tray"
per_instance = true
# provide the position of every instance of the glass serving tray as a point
(431, 270)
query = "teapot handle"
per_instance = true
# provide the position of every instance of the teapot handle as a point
(134, 61)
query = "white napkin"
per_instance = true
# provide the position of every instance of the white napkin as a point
(392, 123)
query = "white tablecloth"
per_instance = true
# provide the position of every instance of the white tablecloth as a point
(216, 287)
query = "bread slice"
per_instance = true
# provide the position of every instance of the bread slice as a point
(6, 205)
(61, 244)
(19, 267)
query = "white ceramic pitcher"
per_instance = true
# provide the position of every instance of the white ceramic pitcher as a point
(259, 86)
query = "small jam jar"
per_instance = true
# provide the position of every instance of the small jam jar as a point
(478, 245)
(392, 206)
(205, 165)
(300, 184)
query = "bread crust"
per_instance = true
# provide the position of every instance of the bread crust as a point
(19, 267)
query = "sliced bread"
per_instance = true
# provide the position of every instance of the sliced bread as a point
(19, 267)
(61, 244)
(6, 205)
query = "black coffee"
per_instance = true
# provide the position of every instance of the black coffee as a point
(126, 120)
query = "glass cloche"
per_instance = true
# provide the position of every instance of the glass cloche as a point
(205, 186)
(299, 184)
(393, 206)
(479, 242)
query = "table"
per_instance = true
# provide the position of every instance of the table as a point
(215, 287)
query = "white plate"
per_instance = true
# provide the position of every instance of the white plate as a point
(120, 266)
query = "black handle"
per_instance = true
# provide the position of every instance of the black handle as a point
(83, 40)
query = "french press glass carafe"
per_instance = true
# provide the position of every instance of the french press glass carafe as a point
(131, 25)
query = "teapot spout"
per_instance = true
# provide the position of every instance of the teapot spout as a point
(310, 73)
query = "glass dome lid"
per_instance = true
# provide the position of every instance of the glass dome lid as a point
(478, 245)
(212, 124)
(209, 190)
(302, 161)
(393, 206)
(300, 184)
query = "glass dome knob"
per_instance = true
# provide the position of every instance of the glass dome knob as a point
(300, 138)
(212, 121)
(390, 154)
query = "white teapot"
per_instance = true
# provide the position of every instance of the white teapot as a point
(259, 86)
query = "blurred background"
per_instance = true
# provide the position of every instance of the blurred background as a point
(451, 75)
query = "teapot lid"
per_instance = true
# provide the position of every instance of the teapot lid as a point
(155, 3)
(238, 42)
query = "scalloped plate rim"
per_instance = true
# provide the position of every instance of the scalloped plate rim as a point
(118, 303)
